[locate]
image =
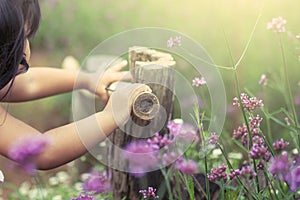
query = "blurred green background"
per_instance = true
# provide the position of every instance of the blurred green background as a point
(75, 27)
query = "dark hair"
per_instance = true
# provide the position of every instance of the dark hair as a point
(12, 40)
(19, 19)
(31, 14)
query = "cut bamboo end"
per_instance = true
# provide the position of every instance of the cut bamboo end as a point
(146, 106)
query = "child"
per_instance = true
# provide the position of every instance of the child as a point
(19, 20)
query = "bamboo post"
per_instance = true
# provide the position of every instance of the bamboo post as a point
(153, 68)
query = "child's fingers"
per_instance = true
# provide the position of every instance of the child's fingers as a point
(120, 65)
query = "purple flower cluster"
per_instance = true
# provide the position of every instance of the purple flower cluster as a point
(25, 150)
(277, 25)
(280, 144)
(97, 182)
(173, 42)
(249, 103)
(213, 139)
(218, 173)
(246, 171)
(286, 170)
(147, 155)
(158, 141)
(254, 123)
(150, 193)
(241, 133)
(198, 81)
(263, 80)
(181, 132)
(142, 157)
(83, 197)
(187, 166)
(259, 149)
(234, 173)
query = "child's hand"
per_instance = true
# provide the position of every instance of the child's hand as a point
(121, 101)
(107, 77)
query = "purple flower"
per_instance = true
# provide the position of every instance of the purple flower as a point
(249, 103)
(150, 193)
(241, 133)
(198, 81)
(158, 141)
(174, 126)
(97, 182)
(263, 80)
(277, 25)
(173, 42)
(182, 131)
(83, 197)
(187, 166)
(286, 170)
(260, 166)
(213, 139)
(280, 144)
(25, 150)
(294, 179)
(234, 173)
(217, 173)
(141, 156)
(260, 151)
(280, 165)
(255, 124)
(246, 170)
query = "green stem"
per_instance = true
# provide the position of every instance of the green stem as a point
(190, 187)
(287, 83)
(167, 183)
(288, 87)
(270, 182)
(206, 179)
(269, 130)
(237, 177)
(178, 185)
(248, 127)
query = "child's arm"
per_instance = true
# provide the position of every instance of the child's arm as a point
(41, 82)
(72, 140)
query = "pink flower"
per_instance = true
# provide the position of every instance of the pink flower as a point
(173, 42)
(213, 139)
(241, 133)
(198, 81)
(280, 165)
(246, 170)
(263, 80)
(141, 156)
(294, 179)
(97, 182)
(217, 173)
(25, 150)
(249, 103)
(280, 144)
(187, 166)
(277, 25)
(83, 197)
(150, 193)
(255, 124)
